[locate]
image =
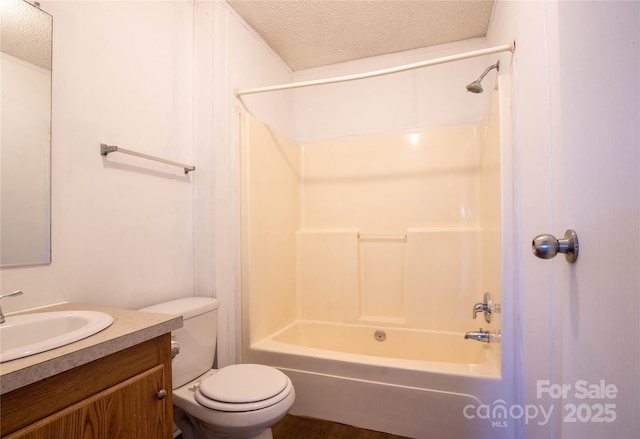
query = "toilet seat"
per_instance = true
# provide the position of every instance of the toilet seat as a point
(243, 388)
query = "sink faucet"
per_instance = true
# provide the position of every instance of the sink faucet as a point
(484, 336)
(15, 293)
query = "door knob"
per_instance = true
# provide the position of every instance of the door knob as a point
(547, 246)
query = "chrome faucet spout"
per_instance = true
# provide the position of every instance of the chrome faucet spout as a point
(15, 293)
(484, 336)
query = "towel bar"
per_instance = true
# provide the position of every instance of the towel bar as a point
(106, 149)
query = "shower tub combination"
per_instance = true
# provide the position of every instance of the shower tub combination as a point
(408, 382)
(383, 353)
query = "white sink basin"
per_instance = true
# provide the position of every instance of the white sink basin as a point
(29, 334)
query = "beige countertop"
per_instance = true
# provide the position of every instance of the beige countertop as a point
(129, 328)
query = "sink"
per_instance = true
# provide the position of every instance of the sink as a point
(29, 334)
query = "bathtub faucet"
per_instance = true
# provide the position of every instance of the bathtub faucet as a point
(479, 307)
(487, 307)
(484, 336)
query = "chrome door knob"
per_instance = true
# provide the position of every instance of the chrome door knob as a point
(547, 246)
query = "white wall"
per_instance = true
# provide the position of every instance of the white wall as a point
(156, 77)
(122, 227)
(422, 98)
(229, 55)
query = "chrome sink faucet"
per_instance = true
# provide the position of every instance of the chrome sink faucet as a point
(484, 336)
(15, 293)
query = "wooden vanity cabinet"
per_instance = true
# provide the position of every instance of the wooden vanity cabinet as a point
(125, 395)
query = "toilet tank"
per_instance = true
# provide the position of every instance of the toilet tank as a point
(197, 337)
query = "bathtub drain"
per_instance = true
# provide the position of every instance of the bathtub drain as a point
(380, 335)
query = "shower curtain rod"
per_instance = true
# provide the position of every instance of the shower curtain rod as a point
(511, 47)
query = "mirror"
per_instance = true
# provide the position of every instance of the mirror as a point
(25, 134)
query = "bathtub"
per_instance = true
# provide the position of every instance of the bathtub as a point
(412, 383)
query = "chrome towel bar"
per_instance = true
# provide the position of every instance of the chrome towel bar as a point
(106, 149)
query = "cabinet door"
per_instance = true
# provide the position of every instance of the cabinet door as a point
(129, 410)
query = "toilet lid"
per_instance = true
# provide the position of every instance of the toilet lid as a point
(243, 387)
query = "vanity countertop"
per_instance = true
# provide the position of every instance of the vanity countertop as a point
(129, 328)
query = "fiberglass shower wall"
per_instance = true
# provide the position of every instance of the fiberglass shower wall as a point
(392, 229)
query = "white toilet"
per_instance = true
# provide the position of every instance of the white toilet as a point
(238, 401)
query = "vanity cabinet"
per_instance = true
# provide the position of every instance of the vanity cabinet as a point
(125, 395)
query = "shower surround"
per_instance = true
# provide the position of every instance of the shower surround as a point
(398, 233)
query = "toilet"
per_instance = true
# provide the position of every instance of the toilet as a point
(239, 401)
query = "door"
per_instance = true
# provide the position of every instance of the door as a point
(592, 377)
(129, 410)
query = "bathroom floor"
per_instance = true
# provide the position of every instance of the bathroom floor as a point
(294, 427)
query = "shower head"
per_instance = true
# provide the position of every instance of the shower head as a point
(476, 86)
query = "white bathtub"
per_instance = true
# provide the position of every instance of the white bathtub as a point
(414, 383)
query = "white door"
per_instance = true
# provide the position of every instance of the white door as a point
(593, 358)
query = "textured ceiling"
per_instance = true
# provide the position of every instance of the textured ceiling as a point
(25, 32)
(312, 33)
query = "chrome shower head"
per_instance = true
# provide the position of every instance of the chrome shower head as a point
(476, 86)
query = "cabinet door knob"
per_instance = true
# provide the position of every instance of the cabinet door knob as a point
(161, 394)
